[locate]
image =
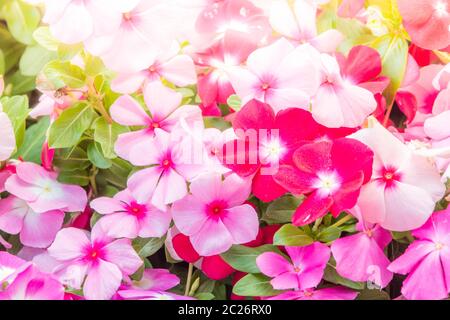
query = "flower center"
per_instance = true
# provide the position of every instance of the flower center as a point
(136, 209)
(441, 9)
(297, 269)
(389, 176)
(166, 164)
(265, 86)
(94, 253)
(439, 246)
(156, 125)
(216, 209)
(327, 183)
(272, 150)
(127, 16)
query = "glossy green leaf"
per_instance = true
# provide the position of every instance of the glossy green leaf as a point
(34, 59)
(22, 20)
(290, 235)
(106, 135)
(71, 159)
(17, 110)
(34, 139)
(63, 73)
(281, 210)
(255, 285)
(243, 258)
(95, 155)
(78, 177)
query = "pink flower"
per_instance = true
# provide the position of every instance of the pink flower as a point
(333, 293)
(427, 22)
(427, 260)
(32, 284)
(103, 261)
(125, 217)
(172, 66)
(153, 286)
(37, 229)
(297, 21)
(134, 44)
(214, 216)
(340, 101)
(331, 173)
(73, 21)
(360, 257)
(8, 141)
(173, 161)
(404, 187)
(10, 265)
(280, 75)
(43, 193)
(232, 50)
(304, 271)
(163, 104)
(271, 140)
(5, 173)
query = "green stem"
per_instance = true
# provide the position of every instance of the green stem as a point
(342, 221)
(189, 279)
(317, 224)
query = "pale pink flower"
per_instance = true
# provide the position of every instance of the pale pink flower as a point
(32, 284)
(214, 215)
(332, 293)
(8, 141)
(173, 160)
(10, 265)
(165, 112)
(125, 217)
(37, 229)
(177, 68)
(103, 261)
(296, 20)
(427, 260)
(40, 189)
(304, 271)
(280, 75)
(404, 187)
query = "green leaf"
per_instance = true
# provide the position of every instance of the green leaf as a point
(2, 63)
(106, 135)
(332, 276)
(204, 296)
(290, 235)
(21, 84)
(255, 285)
(67, 52)
(43, 36)
(243, 258)
(373, 294)
(22, 20)
(148, 246)
(34, 139)
(117, 175)
(281, 210)
(71, 159)
(63, 73)
(67, 130)
(34, 59)
(17, 110)
(92, 65)
(95, 155)
(234, 102)
(78, 177)
(329, 234)
(394, 57)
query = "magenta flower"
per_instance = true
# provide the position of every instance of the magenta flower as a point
(104, 262)
(331, 173)
(360, 257)
(304, 271)
(32, 284)
(37, 229)
(280, 75)
(163, 104)
(427, 260)
(214, 216)
(42, 192)
(125, 217)
(9, 266)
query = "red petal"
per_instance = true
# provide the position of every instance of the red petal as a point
(313, 208)
(266, 189)
(184, 249)
(215, 268)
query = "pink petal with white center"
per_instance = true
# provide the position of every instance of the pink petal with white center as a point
(121, 253)
(155, 223)
(161, 100)
(143, 183)
(102, 281)
(69, 244)
(407, 207)
(12, 213)
(8, 143)
(213, 238)
(171, 187)
(272, 264)
(189, 215)
(129, 112)
(242, 223)
(39, 229)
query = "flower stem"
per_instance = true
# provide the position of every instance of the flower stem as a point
(189, 279)
(342, 221)
(388, 113)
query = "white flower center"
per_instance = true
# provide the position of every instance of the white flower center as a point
(272, 150)
(327, 183)
(441, 9)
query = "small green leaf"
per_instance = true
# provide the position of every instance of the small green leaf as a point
(63, 73)
(22, 20)
(71, 159)
(234, 102)
(17, 110)
(329, 234)
(78, 177)
(34, 139)
(43, 36)
(34, 59)
(290, 235)
(255, 285)
(21, 84)
(243, 258)
(281, 210)
(95, 155)
(106, 135)
(67, 130)
(373, 294)
(148, 246)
